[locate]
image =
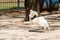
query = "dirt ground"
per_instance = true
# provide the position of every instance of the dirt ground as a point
(12, 28)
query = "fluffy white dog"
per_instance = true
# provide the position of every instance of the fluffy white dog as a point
(41, 21)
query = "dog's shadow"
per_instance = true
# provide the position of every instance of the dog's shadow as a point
(39, 31)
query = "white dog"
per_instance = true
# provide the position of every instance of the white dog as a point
(41, 21)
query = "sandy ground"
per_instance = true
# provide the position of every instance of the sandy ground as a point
(13, 29)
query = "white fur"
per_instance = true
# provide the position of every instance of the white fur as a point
(41, 21)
